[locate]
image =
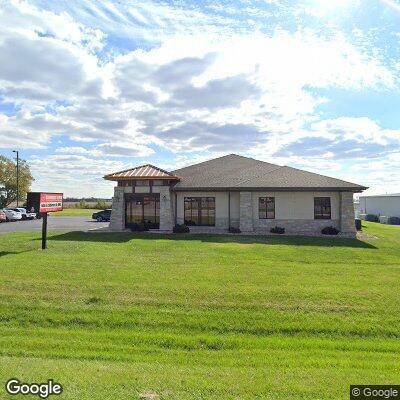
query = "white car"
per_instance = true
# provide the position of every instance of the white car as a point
(12, 215)
(24, 213)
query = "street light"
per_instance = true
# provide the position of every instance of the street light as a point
(16, 151)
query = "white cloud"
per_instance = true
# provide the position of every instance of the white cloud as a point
(124, 149)
(19, 16)
(359, 129)
(392, 4)
(197, 95)
(73, 175)
(73, 150)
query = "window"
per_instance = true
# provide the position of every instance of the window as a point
(200, 211)
(142, 182)
(160, 182)
(124, 183)
(266, 208)
(142, 208)
(322, 208)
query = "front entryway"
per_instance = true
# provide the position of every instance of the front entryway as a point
(142, 208)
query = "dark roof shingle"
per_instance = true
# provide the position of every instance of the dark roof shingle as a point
(237, 172)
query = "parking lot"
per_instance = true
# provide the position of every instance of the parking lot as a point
(53, 223)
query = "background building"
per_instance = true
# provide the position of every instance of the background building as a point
(383, 204)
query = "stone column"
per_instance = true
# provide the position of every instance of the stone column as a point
(246, 212)
(347, 223)
(117, 222)
(165, 209)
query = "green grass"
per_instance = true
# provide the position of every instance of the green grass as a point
(114, 316)
(74, 212)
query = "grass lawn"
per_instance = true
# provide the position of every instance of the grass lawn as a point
(118, 316)
(74, 212)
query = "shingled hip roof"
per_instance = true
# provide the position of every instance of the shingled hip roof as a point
(147, 171)
(235, 172)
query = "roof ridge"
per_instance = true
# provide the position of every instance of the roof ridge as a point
(205, 161)
(226, 155)
(140, 166)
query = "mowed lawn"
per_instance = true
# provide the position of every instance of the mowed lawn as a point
(74, 212)
(124, 316)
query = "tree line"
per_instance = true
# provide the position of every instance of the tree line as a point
(8, 180)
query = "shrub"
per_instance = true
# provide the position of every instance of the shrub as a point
(330, 230)
(372, 218)
(278, 229)
(81, 204)
(100, 205)
(181, 228)
(394, 221)
(232, 229)
(142, 227)
(189, 223)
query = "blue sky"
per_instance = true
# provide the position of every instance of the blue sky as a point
(87, 88)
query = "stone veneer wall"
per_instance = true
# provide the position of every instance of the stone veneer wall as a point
(246, 212)
(166, 213)
(309, 227)
(117, 222)
(347, 223)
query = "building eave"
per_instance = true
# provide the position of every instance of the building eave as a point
(141, 178)
(269, 189)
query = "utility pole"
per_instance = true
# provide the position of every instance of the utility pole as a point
(16, 151)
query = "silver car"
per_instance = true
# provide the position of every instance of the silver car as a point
(24, 213)
(12, 215)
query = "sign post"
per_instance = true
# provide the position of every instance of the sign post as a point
(44, 203)
(44, 231)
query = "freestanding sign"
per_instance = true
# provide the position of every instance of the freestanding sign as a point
(50, 202)
(44, 203)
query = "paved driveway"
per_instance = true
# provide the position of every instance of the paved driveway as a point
(53, 224)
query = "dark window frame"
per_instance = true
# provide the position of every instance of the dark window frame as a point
(263, 213)
(322, 208)
(190, 201)
(140, 199)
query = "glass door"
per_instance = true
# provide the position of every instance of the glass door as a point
(142, 208)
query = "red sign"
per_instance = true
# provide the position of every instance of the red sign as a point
(50, 202)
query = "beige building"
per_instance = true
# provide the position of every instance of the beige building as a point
(233, 191)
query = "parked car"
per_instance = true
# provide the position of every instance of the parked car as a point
(104, 215)
(3, 217)
(25, 214)
(12, 215)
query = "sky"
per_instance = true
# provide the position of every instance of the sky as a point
(90, 88)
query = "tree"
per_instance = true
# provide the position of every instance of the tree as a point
(8, 180)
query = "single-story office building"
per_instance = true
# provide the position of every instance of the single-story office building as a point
(233, 191)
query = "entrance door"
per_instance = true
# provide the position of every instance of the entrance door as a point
(142, 208)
